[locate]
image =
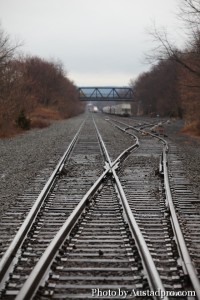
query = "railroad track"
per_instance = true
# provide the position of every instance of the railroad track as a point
(93, 238)
(187, 205)
(166, 204)
(78, 168)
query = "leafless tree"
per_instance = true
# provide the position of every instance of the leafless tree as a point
(188, 58)
(7, 49)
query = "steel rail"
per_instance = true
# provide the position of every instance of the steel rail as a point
(125, 130)
(30, 286)
(183, 249)
(40, 270)
(8, 256)
(187, 264)
(147, 260)
(122, 155)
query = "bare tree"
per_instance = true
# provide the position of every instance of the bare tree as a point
(166, 50)
(190, 13)
(7, 49)
(31, 84)
(188, 58)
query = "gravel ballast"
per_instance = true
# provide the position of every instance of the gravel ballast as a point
(189, 150)
(24, 156)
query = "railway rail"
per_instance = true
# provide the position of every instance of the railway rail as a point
(106, 226)
(181, 212)
(92, 257)
(54, 204)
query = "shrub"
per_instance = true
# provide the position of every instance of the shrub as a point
(22, 121)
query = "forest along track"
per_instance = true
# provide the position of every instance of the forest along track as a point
(73, 179)
(142, 180)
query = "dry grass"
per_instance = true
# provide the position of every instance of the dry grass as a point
(192, 129)
(10, 131)
(41, 117)
(45, 113)
(39, 123)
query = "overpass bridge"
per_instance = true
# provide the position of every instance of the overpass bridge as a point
(105, 94)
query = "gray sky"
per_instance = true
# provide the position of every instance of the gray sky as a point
(100, 42)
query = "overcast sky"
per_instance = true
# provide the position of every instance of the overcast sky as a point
(100, 42)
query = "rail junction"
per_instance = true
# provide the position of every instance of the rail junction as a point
(115, 220)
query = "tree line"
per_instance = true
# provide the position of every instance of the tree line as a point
(172, 86)
(32, 90)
